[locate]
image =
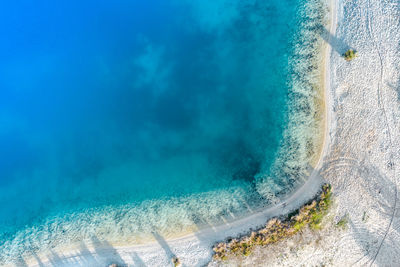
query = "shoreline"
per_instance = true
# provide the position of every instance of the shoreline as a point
(207, 236)
(327, 80)
(362, 228)
(203, 239)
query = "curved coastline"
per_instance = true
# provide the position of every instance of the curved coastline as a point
(203, 239)
(363, 159)
(132, 222)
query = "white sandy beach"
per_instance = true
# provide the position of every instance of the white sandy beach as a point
(360, 158)
(363, 156)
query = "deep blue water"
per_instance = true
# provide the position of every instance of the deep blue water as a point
(112, 103)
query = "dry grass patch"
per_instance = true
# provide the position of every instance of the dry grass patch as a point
(277, 229)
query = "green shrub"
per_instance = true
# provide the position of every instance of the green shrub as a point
(310, 214)
(365, 216)
(176, 261)
(316, 219)
(342, 223)
(246, 252)
(350, 55)
(299, 225)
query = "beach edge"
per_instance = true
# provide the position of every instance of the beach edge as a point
(212, 234)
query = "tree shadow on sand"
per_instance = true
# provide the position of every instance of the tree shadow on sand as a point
(104, 254)
(21, 262)
(164, 245)
(338, 45)
(102, 247)
(38, 260)
(137, 261)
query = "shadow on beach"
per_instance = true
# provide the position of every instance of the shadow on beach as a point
(103, 247)
(99, 252)
(138, 262)
(104, 254)
(338, 45)
(164, 245)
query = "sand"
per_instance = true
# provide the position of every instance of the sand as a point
(360, 158)
(363, 154)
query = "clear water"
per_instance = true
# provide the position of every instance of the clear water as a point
(118, 118)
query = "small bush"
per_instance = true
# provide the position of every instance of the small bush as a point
(350, 55)
(299, 225)
(342, 223)
(246, 252)
(365, 216)
(310, 214)
(175, 261)
(316, 219)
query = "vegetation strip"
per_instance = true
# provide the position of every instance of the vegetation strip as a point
(350, 55)
(275, 230)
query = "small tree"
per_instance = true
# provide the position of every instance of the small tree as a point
(350, 55)
(175, 261)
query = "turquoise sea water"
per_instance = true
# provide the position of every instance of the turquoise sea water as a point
(119, 118)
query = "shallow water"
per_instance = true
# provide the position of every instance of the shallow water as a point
(118, 119)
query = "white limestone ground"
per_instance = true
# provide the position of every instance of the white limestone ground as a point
(363, 159)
